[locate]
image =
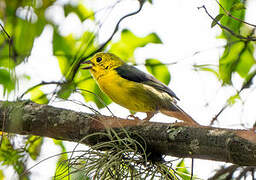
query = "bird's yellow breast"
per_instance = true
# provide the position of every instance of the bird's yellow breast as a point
(129, 94)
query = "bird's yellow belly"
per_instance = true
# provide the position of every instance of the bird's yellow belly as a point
(131, 95)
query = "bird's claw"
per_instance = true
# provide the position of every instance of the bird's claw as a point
(134, 117)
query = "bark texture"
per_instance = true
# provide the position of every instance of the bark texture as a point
(227, 145)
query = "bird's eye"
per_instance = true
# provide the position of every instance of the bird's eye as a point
(98, 59)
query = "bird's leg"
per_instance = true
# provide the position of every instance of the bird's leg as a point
(134, 117)
(149, 116)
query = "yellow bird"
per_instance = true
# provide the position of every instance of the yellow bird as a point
(133, 89)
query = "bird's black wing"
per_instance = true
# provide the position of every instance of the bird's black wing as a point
(131, 73)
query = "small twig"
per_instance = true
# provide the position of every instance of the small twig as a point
(245, 85)
(217, 115)
(40, 84)
(101, 101)
(8, 36)
(41, 161)
(108, 40)
(226, 28)
(230, 170)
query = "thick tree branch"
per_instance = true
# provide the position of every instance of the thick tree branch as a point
(235, 146)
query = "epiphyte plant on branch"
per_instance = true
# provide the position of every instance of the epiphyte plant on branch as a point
(130, 152)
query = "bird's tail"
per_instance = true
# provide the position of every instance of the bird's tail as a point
(175, 111)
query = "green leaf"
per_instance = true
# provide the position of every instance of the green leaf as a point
(80, 9)
(248, 79)
(7, 81)
(237, 6)
(64, 49)
(233, 99)
(216, 19)
(237, 57)
(62, 167)
(60, 144)
(63, 45)
(66, 90)
(38, 96)
(23, 30)
(67, 49)
(34, 144)
(207, 68)
(126, 46)
(159, 70)
(7, 62)
(246, 60)
(229, 60)
(182, 171)
(231, 23)
(11, 157)
(91, 92)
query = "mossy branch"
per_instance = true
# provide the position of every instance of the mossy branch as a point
(227, 145)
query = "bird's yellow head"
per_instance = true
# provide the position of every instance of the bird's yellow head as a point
(101, 63)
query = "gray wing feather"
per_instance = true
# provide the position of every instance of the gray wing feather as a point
(131, 73)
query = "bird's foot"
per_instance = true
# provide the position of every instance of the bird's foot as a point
(133, 117)
(149, 116)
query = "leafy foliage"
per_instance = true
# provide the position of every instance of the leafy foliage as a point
(6, 80)
(9, 156)
(207, 68)
(129, 42)
(62, 169)
(217, 19)
(238, 55)
(33, 146)
(25, 20)
(159, 70)
(236, 58)
(80, 10)
(182, 171)
(231, 23)
(38, 96)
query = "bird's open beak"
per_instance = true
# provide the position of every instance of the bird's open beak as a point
(87, 62)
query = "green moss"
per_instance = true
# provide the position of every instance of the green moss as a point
(173, 132)
(194, 145)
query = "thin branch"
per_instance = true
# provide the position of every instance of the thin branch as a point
(99, 98)
(218, 114)
(116, 28)
(40, 84)
(8, 36)
(244, 86)
(47, 158)
(224, 170)
(226, 28)
(107, 41)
